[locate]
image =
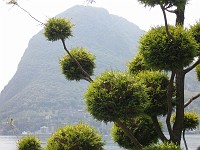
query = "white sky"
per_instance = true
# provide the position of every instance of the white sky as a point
(16, 27)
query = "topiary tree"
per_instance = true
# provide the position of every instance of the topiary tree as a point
(163, 48)
(142, 128)
(191, 122)
(75, 137)
(116, 97)
(29, 143)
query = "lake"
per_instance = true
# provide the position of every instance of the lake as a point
(9, 142)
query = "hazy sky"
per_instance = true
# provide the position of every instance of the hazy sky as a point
(16, 27)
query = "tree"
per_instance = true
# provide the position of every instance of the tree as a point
(121, 97)
(75, 137)
(29, 143)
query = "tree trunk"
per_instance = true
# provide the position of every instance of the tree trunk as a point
(180, 11)
(178, 125)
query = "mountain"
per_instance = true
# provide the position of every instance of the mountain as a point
(38, 94)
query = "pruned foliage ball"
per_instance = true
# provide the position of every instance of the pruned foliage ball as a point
(114, 95)
(29, 143)
(75, 137)
(164, 53)
(58, 29)
(70, 68)
(198, 72)
(156, 83)
(191, 120)
(162, 146)
(142, 128)
(195, 30)
(137, 64)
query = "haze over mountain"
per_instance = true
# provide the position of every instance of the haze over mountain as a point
(38, 94)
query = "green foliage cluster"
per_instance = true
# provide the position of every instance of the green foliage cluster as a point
(75, 137)
(137, 64)
(153, 3)
(113, 95)
(198, 72)
(162, 146)
(195, 30)
(58, 29)
(142, 128)
(191, 120)
(29, 143)
(69, 66)
(156, 83)
(164, 53)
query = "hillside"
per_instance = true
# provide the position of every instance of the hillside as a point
(38, 94)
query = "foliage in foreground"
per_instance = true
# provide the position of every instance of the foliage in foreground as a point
(113, 96)
(143, 129)
(75, 137)
(29, 143)
(191, 120)
(163, 146)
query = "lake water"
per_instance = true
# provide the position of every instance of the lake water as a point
(9, 142)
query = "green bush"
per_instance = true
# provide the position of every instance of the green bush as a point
(137, 64)
(156, 83)
(58, 29)
(191, 120)
(70, 68)
(195, 30)
(198, 72)
(114, 95)
(162, 146)
(142, 128)
(163, 53)
(75, 137)
(29, 143)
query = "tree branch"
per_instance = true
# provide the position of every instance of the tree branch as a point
(169, 102)
(87, 76)
(192, 67)
(166, 24)
(191, 100)
(14, 2)
(158, 129)
(129, 133)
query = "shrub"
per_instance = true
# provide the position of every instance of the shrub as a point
(75, 137)
(191, 120)
(163, 146)
(198, 72)
(70, 68)
(156, 83)
(142, 128)
(58, 29)
(195, 30)
(137, 64)
(114, 95)
(29, 143)
(163, 53)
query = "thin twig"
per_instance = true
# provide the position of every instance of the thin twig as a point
(87, 76)
(166, 24)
